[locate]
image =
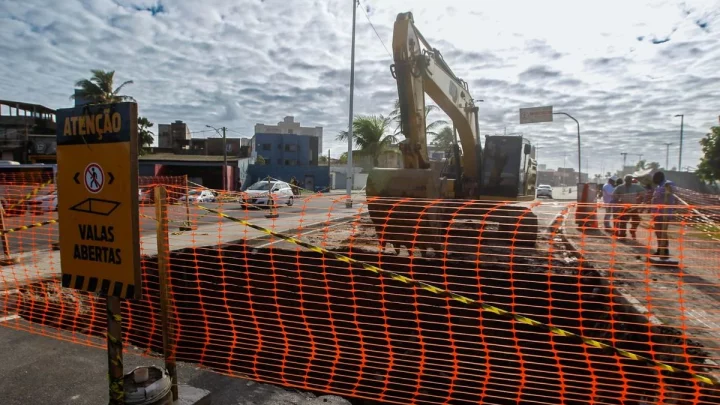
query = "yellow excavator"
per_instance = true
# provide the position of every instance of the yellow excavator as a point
(475, 185)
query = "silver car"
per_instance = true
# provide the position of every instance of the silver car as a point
(544, 190)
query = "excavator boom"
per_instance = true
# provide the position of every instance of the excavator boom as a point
(420, 69)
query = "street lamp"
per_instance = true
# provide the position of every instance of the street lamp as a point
(667, 155)
(224, 169)
(578, 137)
(349, 181)
(682, 124)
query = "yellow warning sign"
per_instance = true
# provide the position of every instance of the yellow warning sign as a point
(98, 199)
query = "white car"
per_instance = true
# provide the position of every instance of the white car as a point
(260, 193)
(544, 190)
(199, 196)
(43, 203)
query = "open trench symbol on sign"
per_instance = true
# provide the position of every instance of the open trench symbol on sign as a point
(94, 179)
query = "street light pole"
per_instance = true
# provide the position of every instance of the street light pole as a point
(667, 155)
(224, 169)
(682, 125)
(349, 182)
(578, 139)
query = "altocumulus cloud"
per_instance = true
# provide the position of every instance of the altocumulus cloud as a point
(624, 69)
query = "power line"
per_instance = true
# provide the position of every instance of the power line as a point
(376, 33)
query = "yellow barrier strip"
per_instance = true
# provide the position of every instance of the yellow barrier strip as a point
(25, 227)
(469, 301)
(30, 195)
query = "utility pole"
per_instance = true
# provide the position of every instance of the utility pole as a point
(667, 155)
(224, 169)
(682, 125)
(349, 182)
(578, 143)
(624, 155)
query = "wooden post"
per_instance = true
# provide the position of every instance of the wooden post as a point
(188, 225)
(7, 260)
(115, 351)
(163, 257)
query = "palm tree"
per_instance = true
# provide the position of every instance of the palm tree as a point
(444, 138)
(99, 88)
(370, 135)
(654, 166)
(431, 128)
(641, 165)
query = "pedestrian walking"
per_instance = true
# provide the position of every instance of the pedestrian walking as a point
(630, 195)
(607, 195)
(664, 201)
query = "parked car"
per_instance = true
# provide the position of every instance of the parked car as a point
(42, 203)
(146, 195)
(199, 196)
(260, 193)
(544, 190)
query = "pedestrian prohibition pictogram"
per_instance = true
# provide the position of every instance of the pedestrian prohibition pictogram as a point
(94, 178)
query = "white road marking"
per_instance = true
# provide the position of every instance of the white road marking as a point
(9, 318)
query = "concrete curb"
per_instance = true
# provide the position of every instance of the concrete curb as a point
(620, 296)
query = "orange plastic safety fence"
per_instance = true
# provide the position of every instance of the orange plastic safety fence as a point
(304, 291)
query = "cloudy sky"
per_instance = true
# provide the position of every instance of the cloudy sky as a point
(622, 68)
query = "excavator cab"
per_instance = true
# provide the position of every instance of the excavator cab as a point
(509, 168)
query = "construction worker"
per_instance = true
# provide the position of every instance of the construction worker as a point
(607, 195)
(629, 194)
(294, 185)
(664, 199)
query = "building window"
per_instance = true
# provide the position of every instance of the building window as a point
(267, 146)
(280, 146)
(290, 162)
(291, 147)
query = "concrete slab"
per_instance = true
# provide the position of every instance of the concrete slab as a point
(189, 395)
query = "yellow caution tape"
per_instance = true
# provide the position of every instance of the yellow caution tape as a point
(30, 195)
(24, 227)
(469, 301)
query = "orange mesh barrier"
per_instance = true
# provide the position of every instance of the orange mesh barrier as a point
(409, 301)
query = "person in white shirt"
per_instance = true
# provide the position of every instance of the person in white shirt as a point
(607, 194)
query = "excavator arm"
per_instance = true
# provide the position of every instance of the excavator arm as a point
(420, 69)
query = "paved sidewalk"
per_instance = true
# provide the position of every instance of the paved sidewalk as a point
(36, 369)
(685, 295)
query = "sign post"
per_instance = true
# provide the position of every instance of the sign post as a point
(97, 154)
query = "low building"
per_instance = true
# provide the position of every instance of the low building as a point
(27, 132)
(174, 136)
(200, 169)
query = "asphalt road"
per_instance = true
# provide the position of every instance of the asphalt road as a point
(42, 238)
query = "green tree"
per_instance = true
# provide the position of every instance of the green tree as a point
(322, 159)
(431, 128)
(99, 89)
(654, 166)
(260, 160)
(145, 136)
(370, 136)
(444, 139)
(709, 167)
(343, 157)
(640, 165)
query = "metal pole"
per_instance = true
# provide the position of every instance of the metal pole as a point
(349, 183)
(578, 142)
(115, 351)
(667, 155)
(162, 235)
(682, 125)
(225, 187)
